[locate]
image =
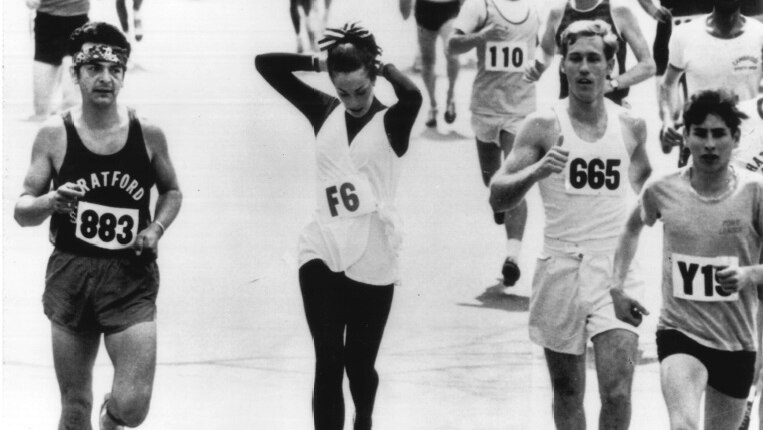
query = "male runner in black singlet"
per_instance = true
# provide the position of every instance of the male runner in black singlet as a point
(102, 276)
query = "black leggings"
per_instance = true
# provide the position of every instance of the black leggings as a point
(334, 303)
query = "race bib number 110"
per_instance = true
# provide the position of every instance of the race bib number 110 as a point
(504, 57)
(694, 278)
(106, 227)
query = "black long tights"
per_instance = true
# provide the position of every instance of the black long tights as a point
(334, 303)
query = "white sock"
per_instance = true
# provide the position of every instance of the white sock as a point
(513, 246)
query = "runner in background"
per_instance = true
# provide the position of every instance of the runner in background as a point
(504, 33)
(616, 13)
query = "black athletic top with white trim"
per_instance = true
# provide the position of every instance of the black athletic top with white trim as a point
(117, 189)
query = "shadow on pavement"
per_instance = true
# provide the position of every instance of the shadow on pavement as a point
(433, 134)
(494, 298)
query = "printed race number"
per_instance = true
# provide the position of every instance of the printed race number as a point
(504, 57)
(694, 278)
(106, 227)
(594, 176)
(349, 197)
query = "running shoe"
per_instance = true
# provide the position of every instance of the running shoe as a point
(510, 272)
(450, 113)
(432, 118)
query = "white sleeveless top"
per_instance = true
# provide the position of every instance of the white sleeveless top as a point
(499, 87)
(749, 154)
(355, 228)
(587, 202)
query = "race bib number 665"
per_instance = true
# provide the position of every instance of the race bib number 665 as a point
(106, 227)
(694, 278)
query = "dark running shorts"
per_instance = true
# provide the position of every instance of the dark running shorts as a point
(432, 15)
(51, 35)
(99, 294)
(730, 372)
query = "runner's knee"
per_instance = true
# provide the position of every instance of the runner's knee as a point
(131, 408)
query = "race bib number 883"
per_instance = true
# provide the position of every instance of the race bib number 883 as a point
(106, 227)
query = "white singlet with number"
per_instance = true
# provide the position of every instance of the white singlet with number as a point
(106, 227)
(694, 278)
(594, 174)
(349, 196)
(505, 56)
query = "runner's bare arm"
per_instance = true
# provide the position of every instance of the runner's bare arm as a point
(460, 42)
(669, 107)
(545, 54)
(37, 201)
(169, 199)
(537, 154)
(659, 13)
(640, 167)
(627, 309)
(630, 30)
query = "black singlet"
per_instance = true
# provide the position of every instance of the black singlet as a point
(117, 195)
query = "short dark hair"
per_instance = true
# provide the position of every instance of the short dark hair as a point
(350, 48)
(588, 28)
(720, 102)
(97, 32)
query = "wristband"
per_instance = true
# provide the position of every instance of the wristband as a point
(316, 64)
(161, 226)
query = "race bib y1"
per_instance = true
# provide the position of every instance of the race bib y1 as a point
(505, 57)
(593, 176)
(106, 227)
(694, 278)
(350, 196)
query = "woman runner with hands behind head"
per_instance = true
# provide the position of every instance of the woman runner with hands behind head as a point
(348, 253)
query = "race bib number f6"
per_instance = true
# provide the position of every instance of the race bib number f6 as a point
(504, 57)
(694, 278)
(593, 176)
(348, 197)
(106, 227)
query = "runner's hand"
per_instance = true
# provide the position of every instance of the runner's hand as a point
(494, 32)
(33, 4)
(534, 71)
(554, 160)
(405, 8)
(670, 137)
(627, 309)
(65, 197)
(732, 279)
(147, 241)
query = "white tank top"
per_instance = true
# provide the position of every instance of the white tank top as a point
(749, 154)
(499, 88)
(587, 201)
(355, 228)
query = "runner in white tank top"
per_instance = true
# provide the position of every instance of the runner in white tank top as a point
(505, 34)
(584, 154)
(712, 217)
(749, 154)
